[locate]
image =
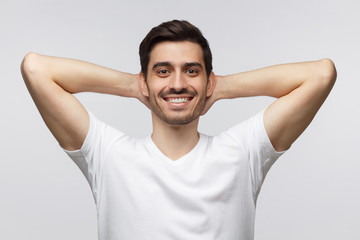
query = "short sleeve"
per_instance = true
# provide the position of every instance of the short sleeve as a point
(90, 157)
(259, 150)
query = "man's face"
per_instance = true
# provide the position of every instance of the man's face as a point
(176, 82)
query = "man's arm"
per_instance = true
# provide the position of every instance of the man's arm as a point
(51, 82)
(301, 89)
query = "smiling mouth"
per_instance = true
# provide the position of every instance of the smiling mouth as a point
(178, 100)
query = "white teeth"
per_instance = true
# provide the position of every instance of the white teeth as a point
(178, 100)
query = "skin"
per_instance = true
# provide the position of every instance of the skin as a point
(299, 88)
(182, 77)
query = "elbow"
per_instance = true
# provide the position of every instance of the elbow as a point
(30, 66)
(327, 72)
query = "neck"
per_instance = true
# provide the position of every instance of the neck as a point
(174, 140)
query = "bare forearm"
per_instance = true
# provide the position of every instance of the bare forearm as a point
(76, 76)
(275, 81)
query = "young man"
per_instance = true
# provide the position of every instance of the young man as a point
(176, 183)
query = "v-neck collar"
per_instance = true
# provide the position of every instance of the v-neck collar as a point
(180, 160)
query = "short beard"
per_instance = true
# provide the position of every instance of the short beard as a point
(177, 120)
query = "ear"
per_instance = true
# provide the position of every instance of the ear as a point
(143, 85)
(211, 84)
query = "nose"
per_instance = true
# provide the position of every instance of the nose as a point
(177, 82)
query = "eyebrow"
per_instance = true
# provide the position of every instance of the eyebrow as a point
(161, 64)
(193, 64)
(169, 64)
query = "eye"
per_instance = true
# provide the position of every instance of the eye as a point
(192, 72)
(163, 72)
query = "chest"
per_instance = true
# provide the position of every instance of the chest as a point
(206, 176)
(141, 191)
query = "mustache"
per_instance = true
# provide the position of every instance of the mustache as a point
(179, 92)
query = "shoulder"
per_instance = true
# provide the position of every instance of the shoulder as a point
(249, 134)
(100, 134)
(244, 130)
(235, 138)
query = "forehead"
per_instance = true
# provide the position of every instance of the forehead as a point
(176, 52)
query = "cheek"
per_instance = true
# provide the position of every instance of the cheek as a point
(153, 92)
(202, 88)
(155, 85)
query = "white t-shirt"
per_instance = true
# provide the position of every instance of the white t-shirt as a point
(210, 193)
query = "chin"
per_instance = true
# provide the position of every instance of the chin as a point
(178, 121)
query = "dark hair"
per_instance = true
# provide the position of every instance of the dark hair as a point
(175, 31)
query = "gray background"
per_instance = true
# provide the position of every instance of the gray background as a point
(312, 192)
